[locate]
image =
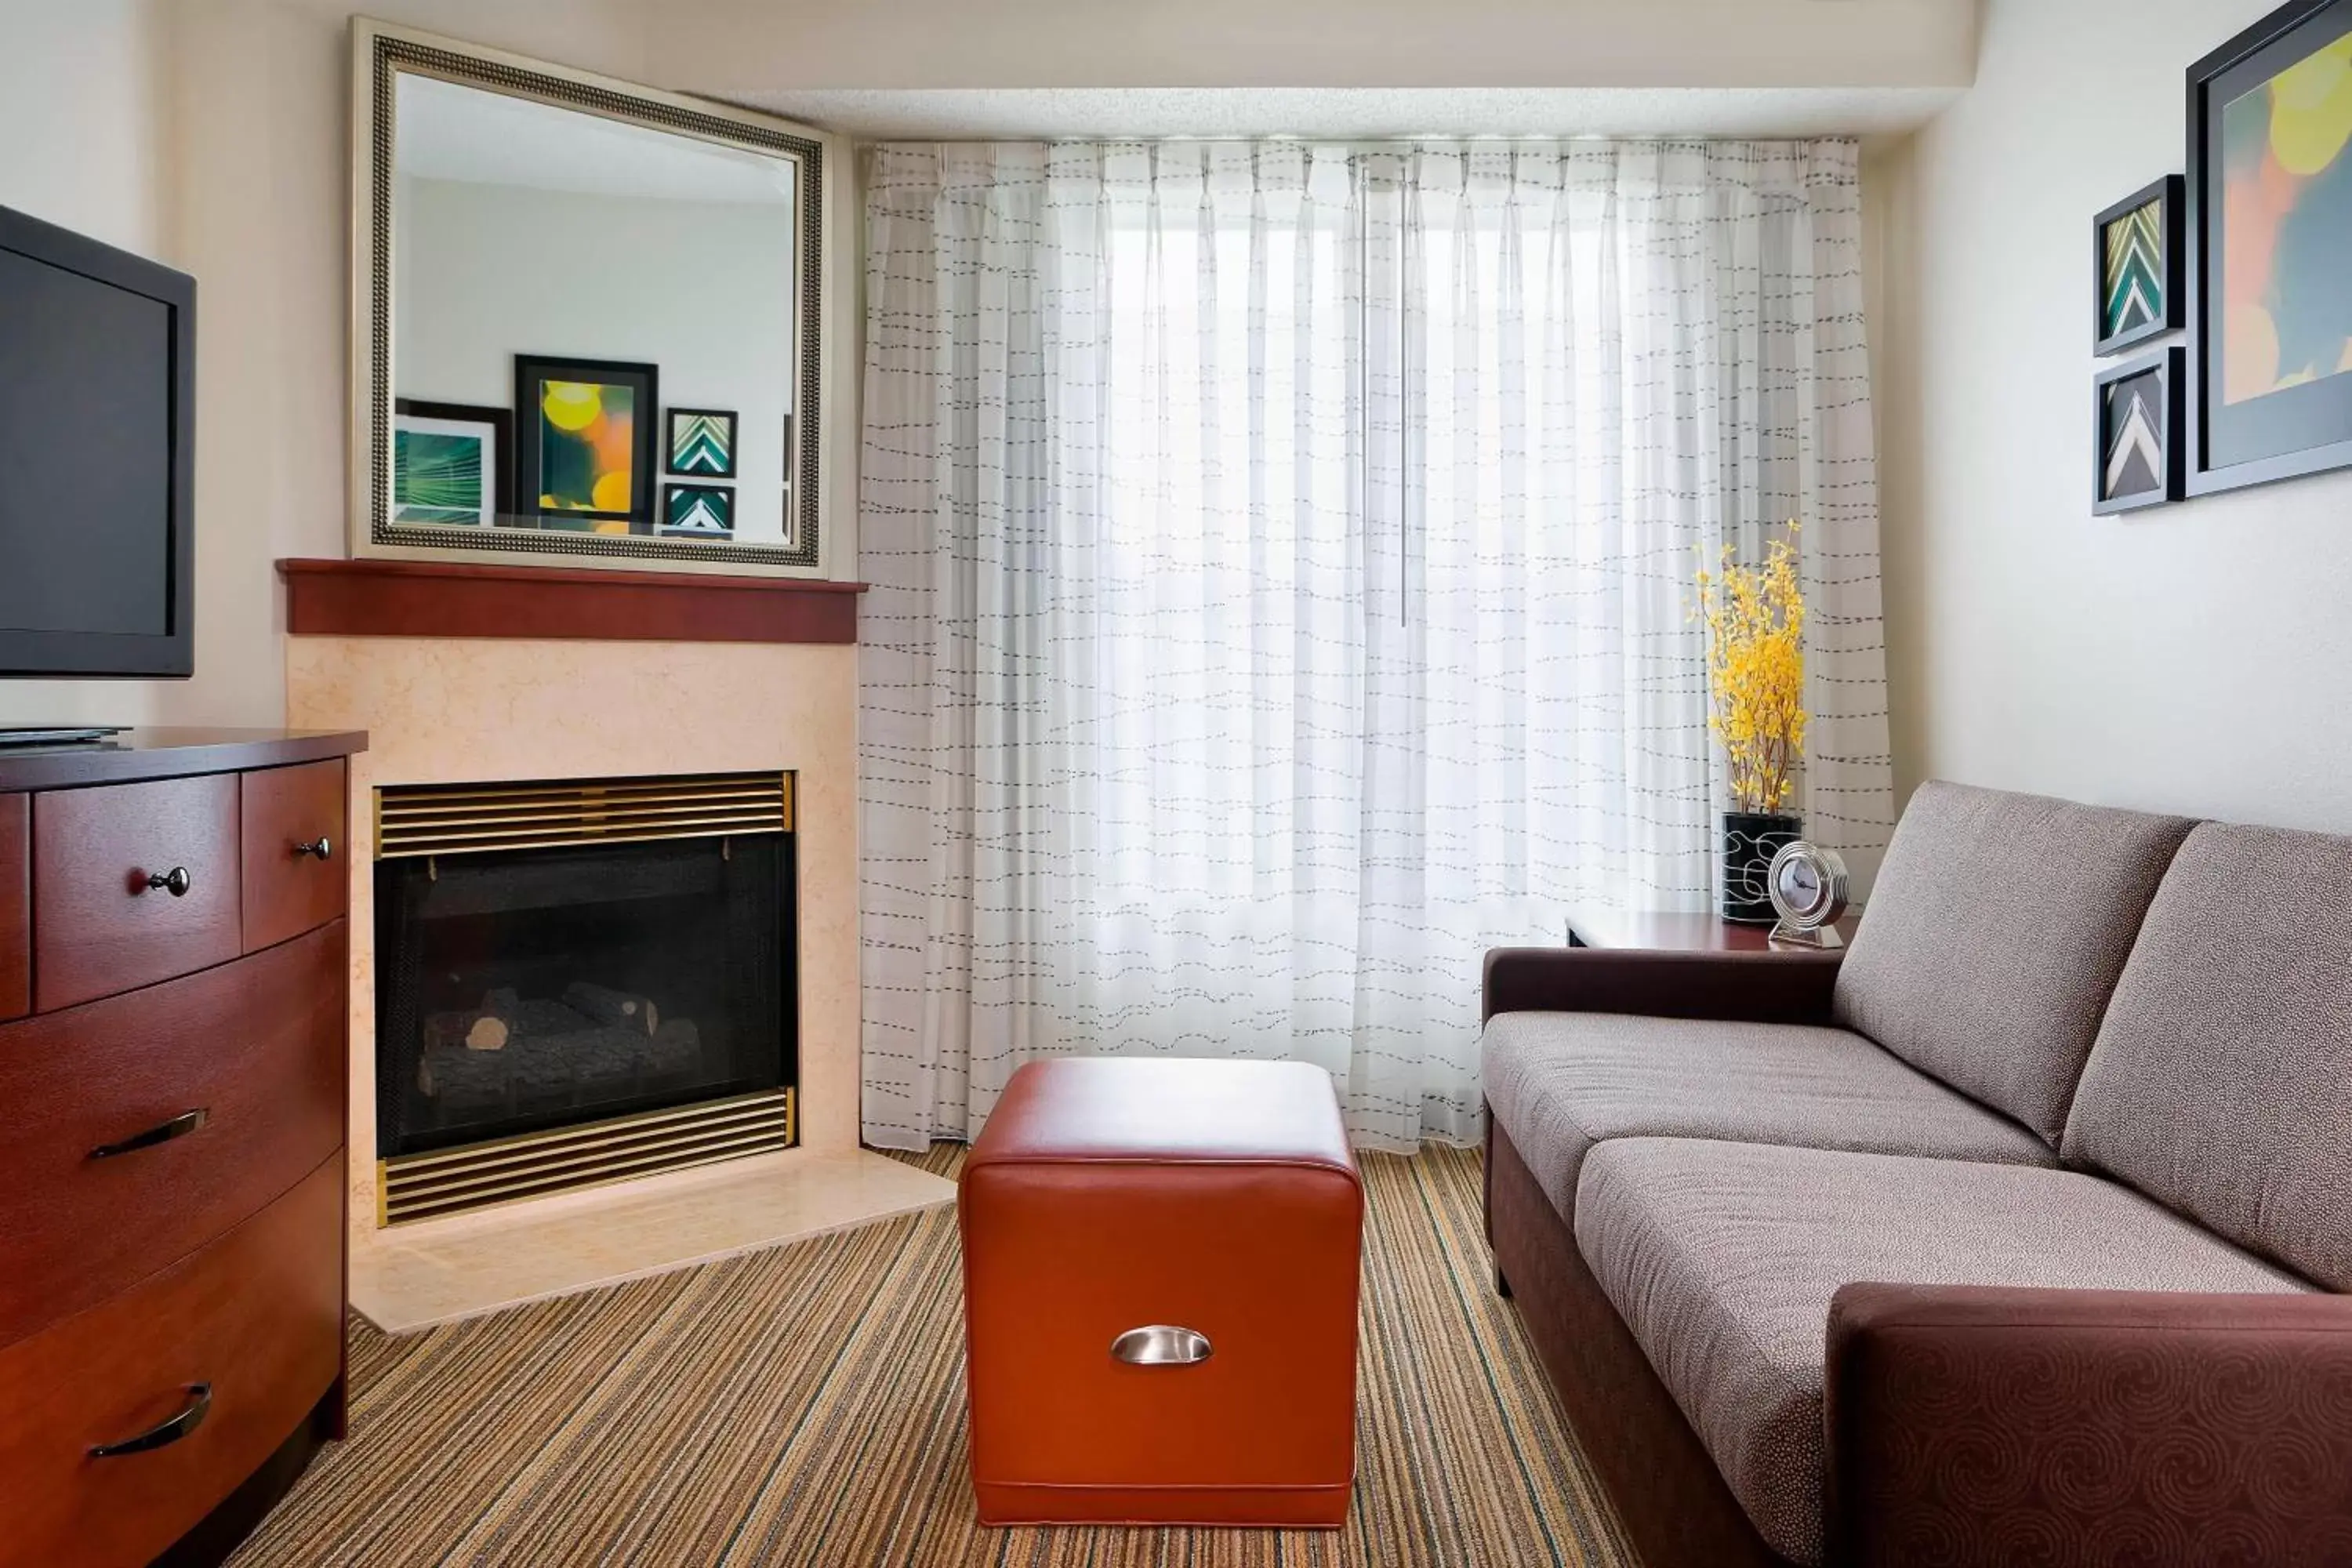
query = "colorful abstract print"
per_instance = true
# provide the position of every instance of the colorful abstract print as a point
(587, 450)
(2288, 227)
(2135, 279)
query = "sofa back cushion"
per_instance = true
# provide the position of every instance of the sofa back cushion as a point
(2222, 1083)
(1994, 936)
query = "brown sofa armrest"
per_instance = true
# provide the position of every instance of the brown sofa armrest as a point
(1977, 1426)
(1755, 987)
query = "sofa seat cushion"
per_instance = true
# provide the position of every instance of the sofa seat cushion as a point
(1563, 1083)
(1722, 1258)
(1996, 930)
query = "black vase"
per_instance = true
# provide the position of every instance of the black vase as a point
(1751, 839)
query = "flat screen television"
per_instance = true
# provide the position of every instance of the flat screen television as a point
(98, 384)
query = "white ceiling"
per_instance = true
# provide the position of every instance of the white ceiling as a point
(741, 49)
(1354, 113)
(446, 131)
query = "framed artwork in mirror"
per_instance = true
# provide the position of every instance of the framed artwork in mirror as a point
(2135, 257)
(2269, 226)
(587, 450)
(698, 511)
(452, 463)
(2138, 461)
(702, 443)
(565, 244)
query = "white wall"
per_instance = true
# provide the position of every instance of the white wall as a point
(82, 117)
(757, 45)
(2193, 657)
(692, 287)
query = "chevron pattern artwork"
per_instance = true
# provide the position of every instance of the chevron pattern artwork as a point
(2134, 275)
(702, 443)
(2137, 267)
(2135, 436)
(702, 512)
(2138, 459)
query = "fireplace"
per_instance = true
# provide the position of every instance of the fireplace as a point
(578, 982)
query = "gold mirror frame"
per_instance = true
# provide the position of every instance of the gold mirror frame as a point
(379, 54)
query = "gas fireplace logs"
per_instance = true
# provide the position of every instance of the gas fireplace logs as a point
(537, 1047)
(618, 1008)
(473, 1031)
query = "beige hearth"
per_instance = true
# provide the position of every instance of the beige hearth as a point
(458, 709)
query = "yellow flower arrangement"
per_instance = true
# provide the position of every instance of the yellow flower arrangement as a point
(1756, 670)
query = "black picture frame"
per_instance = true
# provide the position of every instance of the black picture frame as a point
(670, 492)
(501, 424)
(644, 383)
(2300, 430)
(2172, 311)
(2170, 366)
(669, 443)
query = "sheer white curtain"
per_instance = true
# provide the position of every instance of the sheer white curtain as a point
(1281, 559)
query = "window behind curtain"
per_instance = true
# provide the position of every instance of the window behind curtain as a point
(1281, 561)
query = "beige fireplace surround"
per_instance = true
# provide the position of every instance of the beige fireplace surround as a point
(459, 710)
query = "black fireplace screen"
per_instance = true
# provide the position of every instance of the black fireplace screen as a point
(526, 989)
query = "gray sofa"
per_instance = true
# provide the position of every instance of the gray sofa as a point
(2015, 1234)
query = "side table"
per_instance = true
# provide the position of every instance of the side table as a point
(1613, 926)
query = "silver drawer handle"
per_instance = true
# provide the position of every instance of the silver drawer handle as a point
(1160, 1344)
(180, 1126)
(191, 1417)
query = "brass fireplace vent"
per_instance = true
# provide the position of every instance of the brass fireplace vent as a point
(426, 1187)
(453, 819)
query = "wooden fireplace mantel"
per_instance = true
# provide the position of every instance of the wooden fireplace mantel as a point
(451, 599)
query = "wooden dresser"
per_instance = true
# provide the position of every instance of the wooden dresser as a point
(174, 978)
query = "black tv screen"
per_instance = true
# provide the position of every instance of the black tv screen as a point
(97, 458)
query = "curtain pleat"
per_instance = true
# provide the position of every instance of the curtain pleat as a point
(1281, 561)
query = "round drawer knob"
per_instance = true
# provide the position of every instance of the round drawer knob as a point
(321, 847)
(176, 881)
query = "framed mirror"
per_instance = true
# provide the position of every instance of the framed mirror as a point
(593, 324)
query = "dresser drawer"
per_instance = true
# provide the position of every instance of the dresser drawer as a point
(295, 876)
(256, 1047)
(106, 862)
(254, 1321)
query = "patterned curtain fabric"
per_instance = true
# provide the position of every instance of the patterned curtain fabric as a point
(1281, 560)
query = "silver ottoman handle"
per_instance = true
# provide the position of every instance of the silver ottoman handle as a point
(1160, 1344)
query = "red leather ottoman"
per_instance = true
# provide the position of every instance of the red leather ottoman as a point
(1214, 1203)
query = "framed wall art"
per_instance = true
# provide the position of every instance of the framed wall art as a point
(2136, 410)
(584, 447)
(704, 511)
(2269, 215)
(702, 443)
(2135, 257)
(450, 463)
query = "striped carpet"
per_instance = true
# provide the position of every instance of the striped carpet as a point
(805, 1406)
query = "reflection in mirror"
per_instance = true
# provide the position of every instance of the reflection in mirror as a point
(594, 331)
